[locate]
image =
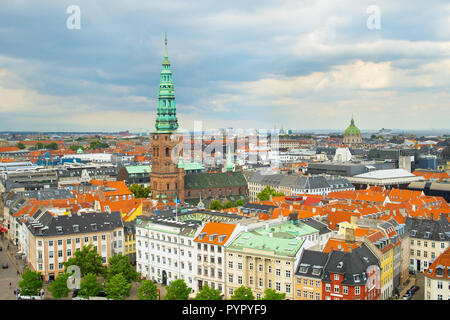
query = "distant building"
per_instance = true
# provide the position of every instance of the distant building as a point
(352, 134)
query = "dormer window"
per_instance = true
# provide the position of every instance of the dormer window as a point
(340, 264)
(356, 278)
(303, 268)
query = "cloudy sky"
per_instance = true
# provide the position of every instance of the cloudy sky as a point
(301, 64)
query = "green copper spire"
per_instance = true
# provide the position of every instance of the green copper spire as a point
(229, 165)
(166, 120)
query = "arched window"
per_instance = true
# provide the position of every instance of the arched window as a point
(167, 152)
(167, 186)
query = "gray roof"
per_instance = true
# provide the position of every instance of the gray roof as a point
(300, 182)
(47, 194)
(312, 264)
(322, 227)
(48, 225)
(437, 230)
(350, 264)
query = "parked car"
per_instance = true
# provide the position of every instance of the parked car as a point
(5, 266)
(39, 297)
(413, 289)
(407, 296)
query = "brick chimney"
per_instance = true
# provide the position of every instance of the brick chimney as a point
(349, 235)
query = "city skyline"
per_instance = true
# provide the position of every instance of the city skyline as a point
(312, 68)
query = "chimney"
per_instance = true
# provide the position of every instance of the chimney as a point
(349, 235)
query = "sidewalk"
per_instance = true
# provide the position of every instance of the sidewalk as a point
(17, 263)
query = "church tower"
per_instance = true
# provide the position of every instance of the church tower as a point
(166, 177)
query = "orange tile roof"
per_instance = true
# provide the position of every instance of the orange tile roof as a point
(442, 260)
(334, 244)
(217, 228)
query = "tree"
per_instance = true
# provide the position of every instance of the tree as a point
(178, 290)
(51, 146)
(271, 294)
(227, 204)
(75, 147)
(239, 203)
(59, 288)
(39, 146)
(215, 205)
(117, 287)
(20, 145)
(208, 293)
(31, 283)
(97, 144)
(89, 287)
(120, 264)
(243, 293)
(139, 191)
(147, 291)
(87, 259)
(265, 194)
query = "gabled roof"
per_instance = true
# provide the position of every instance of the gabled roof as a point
(212, 233)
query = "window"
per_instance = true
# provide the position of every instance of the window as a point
(277, 286)
(50, 243)
(77, 240)
(311, 295)
(305, 294)
(50, 254)
(51, 266)
(103, 237)
(277, 272)
(288, 274)
(336, 289)
(288, 288)
(336, 276)
(69, 241)
(250, 266)
(345, 290)
(240, 266)
(269, 283)
(60, 253)
(86, 239)
(94, 238)
(439, 285)
(328, 287)
(59, 242)
(311, 283)
(230, 278)
(317, 296)
(357, 290)
(260, 268)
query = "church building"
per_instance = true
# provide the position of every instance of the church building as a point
(168, 179)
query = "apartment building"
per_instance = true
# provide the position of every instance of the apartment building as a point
(437, 278)
(351, 275)
(428, 240)
(165, 249)
(266, 257)
(53, 239)
(210, 244)
(308, 277)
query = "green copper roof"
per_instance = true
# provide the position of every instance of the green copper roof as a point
(283, 241)
(166, 120)
(229, 165)
(352, 130)
(139, 169)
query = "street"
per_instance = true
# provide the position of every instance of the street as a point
(7, 275)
